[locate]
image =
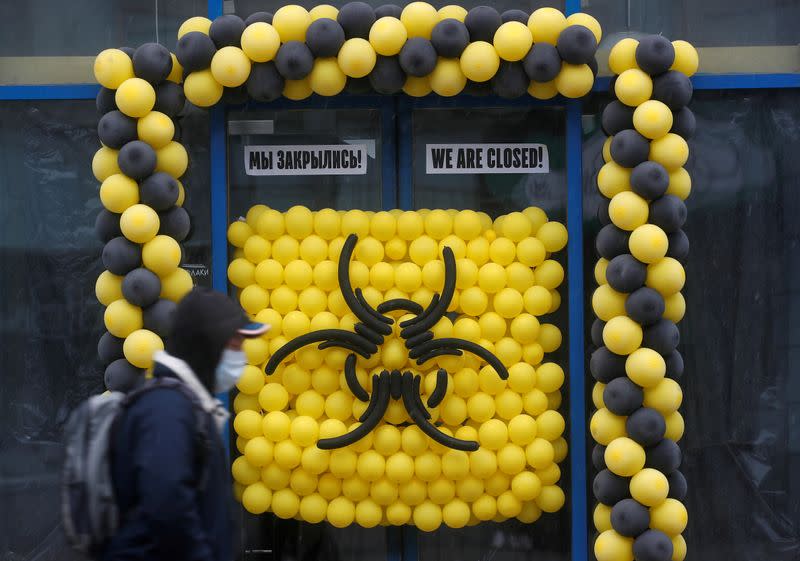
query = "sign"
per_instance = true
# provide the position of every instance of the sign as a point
(325, 159)
(453, 159)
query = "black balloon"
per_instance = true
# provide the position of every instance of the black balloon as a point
(159, 191)
(226, 31)
(387, 77)
(646, 426)
(358, 86)
(576, 44)
(195, 51)
(625, 273)
(122, 376)
(265, 17)
(655, 54)
(674, 365)
(606, 366)
(175, 223)
(616, 117)
(418, 57)
(176, 136)
(141, 287)
(105, 101)
(622, 397)
(116, 129)
(137, 159)
(109, 348)
(325, 37)
(235, 96)
(388, 10)
(158, 318)
(593, 66)
(599, 457)
(483, 22)
(611, 241)
(542, 63)
(663, 337)
(645, 306)
(511, 81)
(597, 332)
(515, 15)
(609, 488)
(668, 213)
(649, 180)
(128, 51)
(106, 226)
(678, 245)
(602, 212)
(294, 60)
(629, 148)
(665, 456)
(121, 256)
(674, 89)
(169, 99)
(478, 89)
(152, 62)
(265, 83)
(684, 123)
(450, 37)
(677, 485)
(653, 545)
(630, 518)
(356, 18)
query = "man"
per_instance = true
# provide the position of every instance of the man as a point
(173, 487)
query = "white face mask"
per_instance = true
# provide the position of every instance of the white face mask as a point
(229, 370)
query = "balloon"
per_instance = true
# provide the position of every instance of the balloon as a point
(122, 318)
(510, 81)
(388, 76)
(226, 30)
(645, 306)
(158, 317)
(450, 37)
(684, 123)
(141, 287)
(106, 226)
(629, 518)
(109, 348)
(197, 23)
(622, 397)
(482, 23)
(265, 82)
(122, 376)
(626, 274)
(616, 117)
(326, 77)
(686, 58)
(665, 456)
(663, 337)
(265, 17)
(139, 223)
(357, 58)
(325, 37)
(653, 545)
(623, 55)
(292, 22)
(542, 63)
(159, 191)
(546, 25)
(116, 129)
(633, 87)
(202, 89)
(610, 489)
(646, 426)
(230, 67)
(576, 44)
(611, 241)
(629, 148)
(655, 54)
(388, 10)
(418, 57)
(677, 486)
(121, 256)
(195, 51)
(105, 101)
(175, 223)
(170, 99)
(480, 61)
(574, 80)
(512, 41)
(356, 18)
(137, 159)
(515, 15)
(678, 245)
(668, 213)
(650, 180)
(152, 62)
(294, 60)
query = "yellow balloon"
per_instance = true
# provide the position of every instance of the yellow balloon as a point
(341, 512)
(613, 178)
(513, 40)
(680, 184)
(622, 335)
(602, 517)
(156, 129)
(260, 42)
(427, 516)
(104, 163)
(122, 318)
(645, 367)
(671, 151)
(580, 18)
(112, 67)
(623, 56)
(628, 210)
(543, 90)
(633, 87)
(649, 487)
(162, 255)
(108, 288)
(230, 66)
(285, 503)
(610, 546)
(551, 498)
(256, 498)
(624, 457)
(419, 18)
(670, 517)
(447, 79)
(172, 159)
(176, 285)
(480, 61)
(119, 192)
(139, 223)
(326, 78)
(686, 58)
(291, 22)
(176, 74)
(574, 80)
(653, 119)
(648, 243)
(357, 58)
(321, 11)
(197, 23)
(451, 11)
(667, 276)
(202, 89)
(135, 97)
(387, 36)
(546, 24)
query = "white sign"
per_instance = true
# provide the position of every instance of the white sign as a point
(324, 159)
(453, 159)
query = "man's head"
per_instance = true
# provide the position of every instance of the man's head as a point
(206, 325)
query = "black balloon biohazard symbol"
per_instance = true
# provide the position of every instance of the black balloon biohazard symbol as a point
(369, 333)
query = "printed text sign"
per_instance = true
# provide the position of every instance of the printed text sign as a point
(486, 158)
(326, 159)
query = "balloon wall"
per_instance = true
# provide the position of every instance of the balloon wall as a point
(639, 488)
(498, 438)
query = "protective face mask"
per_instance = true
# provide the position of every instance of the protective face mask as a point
(229, 370)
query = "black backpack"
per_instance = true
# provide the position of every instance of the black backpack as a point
(89, 508)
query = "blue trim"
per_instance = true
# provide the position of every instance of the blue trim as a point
(67, 91)
(410, 543)
(577, 360)
(394, 543)
(405, 156)
(572, 6)
(388, 151)
(214, 8)
(726, 82)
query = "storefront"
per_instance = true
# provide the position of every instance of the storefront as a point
(741, 402)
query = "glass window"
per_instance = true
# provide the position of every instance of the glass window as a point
(49, 316)
(44, 42)
(757, 36)
(498, 194)
(246, 7)
(740, 335)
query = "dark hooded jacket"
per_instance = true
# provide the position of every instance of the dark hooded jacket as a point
(167, 512)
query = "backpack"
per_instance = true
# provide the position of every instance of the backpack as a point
(89, 509)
